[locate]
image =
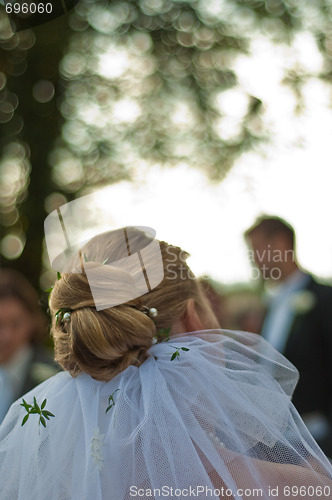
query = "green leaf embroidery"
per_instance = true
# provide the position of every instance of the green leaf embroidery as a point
(176, 354)
(24, 419)
(36, 409)
(25, 405)
(111, 401)
(47, 414)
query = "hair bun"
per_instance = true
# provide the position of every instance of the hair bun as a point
(110, 285)
(102, 342)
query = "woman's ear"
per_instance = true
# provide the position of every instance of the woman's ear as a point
(191, 320)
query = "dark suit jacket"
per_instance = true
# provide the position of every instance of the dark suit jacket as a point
(309, 348)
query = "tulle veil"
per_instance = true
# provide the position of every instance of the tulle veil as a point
(216, 421)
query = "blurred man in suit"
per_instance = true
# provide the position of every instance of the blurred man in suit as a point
(298, 322)
(24, 363)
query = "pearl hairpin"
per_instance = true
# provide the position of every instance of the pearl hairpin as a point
(152, 312)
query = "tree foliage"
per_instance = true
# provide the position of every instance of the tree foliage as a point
(118, 85)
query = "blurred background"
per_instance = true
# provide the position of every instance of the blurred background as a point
(192, 117)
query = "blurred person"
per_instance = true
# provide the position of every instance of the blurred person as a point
(216, 299)
(298, 321)
(245, 310)
(135, 414)
(24, 363)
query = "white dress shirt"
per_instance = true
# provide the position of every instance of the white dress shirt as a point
(281, 313)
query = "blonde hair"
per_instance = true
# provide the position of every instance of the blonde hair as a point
(104, 342)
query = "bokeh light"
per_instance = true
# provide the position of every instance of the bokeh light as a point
(43, 91)
(12, 246)
(126, 88)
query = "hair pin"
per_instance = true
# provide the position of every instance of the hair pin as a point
(66, 317)
(152, 312)
(63, 315)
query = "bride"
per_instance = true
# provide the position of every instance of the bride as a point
(154, 400)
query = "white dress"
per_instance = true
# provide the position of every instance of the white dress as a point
(212, 423)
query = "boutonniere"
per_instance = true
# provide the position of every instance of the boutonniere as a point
(303, 301)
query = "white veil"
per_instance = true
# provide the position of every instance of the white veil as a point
(216, 422)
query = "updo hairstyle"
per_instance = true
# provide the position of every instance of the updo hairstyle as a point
(104, 342)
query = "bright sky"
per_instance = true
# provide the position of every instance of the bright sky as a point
(293, 179)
